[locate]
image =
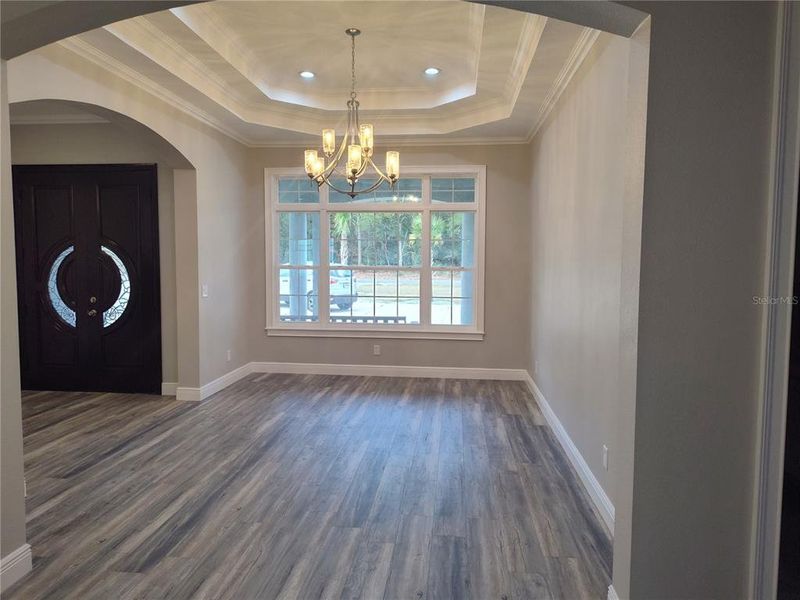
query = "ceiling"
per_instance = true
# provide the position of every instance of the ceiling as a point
(236, 64)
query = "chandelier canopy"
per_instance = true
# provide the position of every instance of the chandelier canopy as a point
(358, 144)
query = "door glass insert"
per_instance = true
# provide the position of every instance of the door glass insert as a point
(56, 301)
(116, 310)
(67, 314)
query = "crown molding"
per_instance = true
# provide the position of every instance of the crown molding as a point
(206, 25)
(115, 67)
(489, 110)
(528, 43)
(147, 39)
(410, 142)
(84, 119)
(142, 36)
(579, 53)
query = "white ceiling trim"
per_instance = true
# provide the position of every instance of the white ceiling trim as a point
(579, 53)
(492, 109)
(203, 22)
(411, 142)
(115, 67)
(82, 119)
(146, 39)
(529, 40)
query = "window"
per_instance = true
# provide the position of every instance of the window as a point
(394, 263)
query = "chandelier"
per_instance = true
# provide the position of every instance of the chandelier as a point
(358, 144)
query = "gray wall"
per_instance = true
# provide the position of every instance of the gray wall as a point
(12, 501)
(507, 288)
(110, 143)
(703, 251)
(577, 194)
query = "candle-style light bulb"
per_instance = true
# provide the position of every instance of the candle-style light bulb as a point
(366, 135)
(354, 157)
(310, 161)
(328, 141)
(393, 165)
(318, 167)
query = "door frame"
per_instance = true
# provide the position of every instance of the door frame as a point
(779, 274)
(152, 171)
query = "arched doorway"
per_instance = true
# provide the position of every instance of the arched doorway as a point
(57, 132)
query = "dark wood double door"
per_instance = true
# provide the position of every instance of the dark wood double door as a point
(88, 277)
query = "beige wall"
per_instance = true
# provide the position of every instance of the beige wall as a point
(507, 279)
(109, 143)
(577, 193)
(12, 501)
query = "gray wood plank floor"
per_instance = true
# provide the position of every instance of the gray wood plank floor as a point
(300, 486)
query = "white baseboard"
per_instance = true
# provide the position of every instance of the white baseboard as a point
(14, 566)
(612, 593)
(193, 394)
(599, 497)
(388, 371)
(188, 394)
(169, 388)
(220, 383)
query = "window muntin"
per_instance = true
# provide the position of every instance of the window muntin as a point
(297, 190)
(406, 190)
(393, 261)
(452, 189)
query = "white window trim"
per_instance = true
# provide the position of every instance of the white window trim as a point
(275, 327)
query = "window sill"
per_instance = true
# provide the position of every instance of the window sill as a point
(463, 335)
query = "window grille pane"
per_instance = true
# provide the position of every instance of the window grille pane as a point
(453, 189)
(405, 190)
(299, 238)
(452, 239)
(380, 297)
(452, 303)
(298, 295)
(296, 190)
(375, 239)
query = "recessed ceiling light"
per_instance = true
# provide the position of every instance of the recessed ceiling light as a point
(432, 71)
(306, 74)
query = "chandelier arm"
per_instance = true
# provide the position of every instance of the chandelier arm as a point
(355, 193)
(352, 193)
(332, 166)
(380, 173)
(335, 171)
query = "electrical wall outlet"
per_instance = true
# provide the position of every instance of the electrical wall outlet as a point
(229, 356)
(376, 350)
(605, 457)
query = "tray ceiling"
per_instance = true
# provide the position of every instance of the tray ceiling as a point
(236, 65)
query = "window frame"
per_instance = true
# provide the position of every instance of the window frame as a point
(424, 330)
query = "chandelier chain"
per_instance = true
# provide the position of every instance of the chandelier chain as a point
(353, 66)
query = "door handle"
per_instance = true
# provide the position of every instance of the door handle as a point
(92, 312)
